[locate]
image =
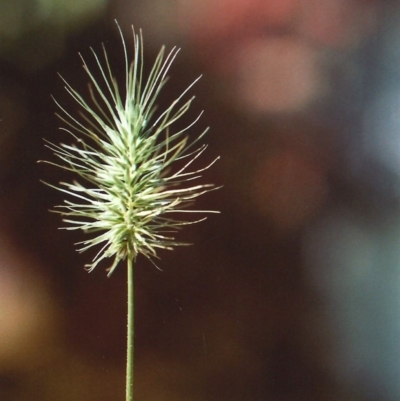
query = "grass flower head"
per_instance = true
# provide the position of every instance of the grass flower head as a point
(128, 188)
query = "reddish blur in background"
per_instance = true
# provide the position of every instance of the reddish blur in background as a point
(293, 292)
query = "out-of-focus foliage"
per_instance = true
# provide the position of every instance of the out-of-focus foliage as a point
(32, 33)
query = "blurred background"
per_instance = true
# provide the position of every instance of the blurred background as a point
(293, 292)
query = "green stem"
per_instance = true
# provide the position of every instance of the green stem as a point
(130, 333)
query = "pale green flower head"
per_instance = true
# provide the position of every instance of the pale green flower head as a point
(127, 186)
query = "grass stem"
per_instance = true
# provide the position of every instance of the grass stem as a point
(130, 333)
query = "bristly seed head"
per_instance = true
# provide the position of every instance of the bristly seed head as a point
(127, 189)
